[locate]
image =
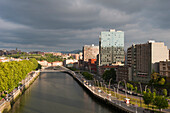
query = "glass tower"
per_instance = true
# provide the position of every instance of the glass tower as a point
(111, 47)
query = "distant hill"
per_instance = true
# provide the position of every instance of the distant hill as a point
(74, 51)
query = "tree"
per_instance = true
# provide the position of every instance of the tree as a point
(160, 102)
(162, 81)
(165, 92)
(87, 75)
(147, 97)
(11, 73)
(108, 74)
(135, 89)
(131, 87)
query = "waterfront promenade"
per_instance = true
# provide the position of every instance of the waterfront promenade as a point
(11, 97)
(108, 99)
(94, 90)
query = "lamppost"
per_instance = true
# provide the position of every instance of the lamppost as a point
(118, 86)
(94, 81)
(109, 82)
(106, 90)
(146, 87)
(101, 84)
(98, 83)
(125, 88)
(115, 92)
(141, 94)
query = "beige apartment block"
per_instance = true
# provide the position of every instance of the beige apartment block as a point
(90, 52)
(144, 58)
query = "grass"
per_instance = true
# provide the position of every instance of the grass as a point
(133, 101)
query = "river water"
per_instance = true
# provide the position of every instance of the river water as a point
(57, 93)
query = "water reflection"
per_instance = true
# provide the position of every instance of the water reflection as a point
(57, 93)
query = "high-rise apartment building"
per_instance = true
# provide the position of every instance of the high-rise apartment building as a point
(143, 59)
(90, 52)
(111, 47)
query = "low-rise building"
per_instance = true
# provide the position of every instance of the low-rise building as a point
(43, 63)
(164, 68)
(102, 69)
(92, 65)
(57, 63)
(69, 61)
(123, 73)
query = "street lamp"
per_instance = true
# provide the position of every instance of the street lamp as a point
(101, 84)
(98, 83)
(125, 88)
(118, 86)
(94, 81)
(106, 90)
(141, 94)
(109, 82)
(146, 87)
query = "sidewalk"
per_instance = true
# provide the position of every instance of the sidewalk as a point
(112, 99)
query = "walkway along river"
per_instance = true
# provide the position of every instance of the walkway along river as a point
(57, 93)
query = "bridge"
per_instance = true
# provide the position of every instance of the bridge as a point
(56, 69)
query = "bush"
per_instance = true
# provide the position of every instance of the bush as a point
(87, 75)
(160, 102)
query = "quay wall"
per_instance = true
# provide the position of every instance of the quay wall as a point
(98, 97)
(6, 105)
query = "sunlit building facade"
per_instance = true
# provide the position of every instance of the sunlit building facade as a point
(111, 47)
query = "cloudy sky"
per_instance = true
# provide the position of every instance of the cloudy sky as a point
(62, 25)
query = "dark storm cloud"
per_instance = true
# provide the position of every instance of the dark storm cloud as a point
(69, 24)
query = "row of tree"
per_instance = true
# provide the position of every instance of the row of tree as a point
(11, 73)
(87, 75)
(159, 101)
(50, 58)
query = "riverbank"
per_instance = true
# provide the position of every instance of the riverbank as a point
(102, 97)
(6, 105)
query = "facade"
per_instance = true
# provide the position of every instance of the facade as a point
(169, 54)
(92, 65)
(80, 56)
(144, 58)
(164, 68)
(102, 69)
(57, 63)
(43, 63)
(90, 52)
(123, 73)
(36, 52)
(111, 47)
(69, 62)
(57, 54)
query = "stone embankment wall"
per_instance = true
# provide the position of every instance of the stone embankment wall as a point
(6, 105)
(98, 97)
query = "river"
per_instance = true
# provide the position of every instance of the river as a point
(57, 93)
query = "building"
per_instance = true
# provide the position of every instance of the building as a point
(90, 52)
(57, 63)
(80, 56)
(102, 69)
(92, 67)
(43, 63)
(144, 58)
(111, 47)
(69, 62)
(164, 68)
(57, 54)
(123, 73)
(36, 52)
(169, 54)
